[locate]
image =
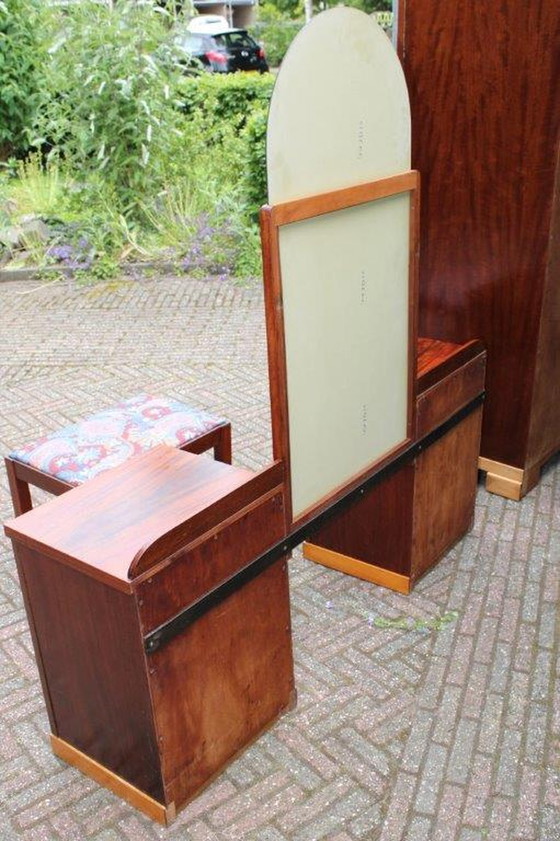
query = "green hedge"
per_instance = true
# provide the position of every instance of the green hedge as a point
(254, 181)
(230, 114)
(230, 96)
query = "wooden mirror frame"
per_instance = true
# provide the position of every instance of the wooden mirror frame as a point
(272, 219)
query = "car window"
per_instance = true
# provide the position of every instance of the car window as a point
(191, 43)
(239, 39)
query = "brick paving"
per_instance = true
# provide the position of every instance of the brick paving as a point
(433, 731)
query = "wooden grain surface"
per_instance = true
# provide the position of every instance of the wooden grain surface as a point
(218, 684)
(311, 206)
(439, 402)
(276, 347)
(90, 654)
(377, 528)
(444, 493)
(194, 570)
(484, 88)
(103, 525)
(436, 359)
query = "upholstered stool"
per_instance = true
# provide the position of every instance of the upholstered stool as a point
(70, 456)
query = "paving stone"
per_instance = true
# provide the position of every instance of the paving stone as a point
(447, 714)
(476, 690)
(479, 791)
(527, 803)
(460, 760)
(397, 819)
(419, 829)
(448, 819)
(500, 821)
(430, 781)
(508, 770)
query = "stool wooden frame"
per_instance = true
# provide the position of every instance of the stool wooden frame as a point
(21, 476)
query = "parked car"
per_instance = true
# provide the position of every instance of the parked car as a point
(225, 51)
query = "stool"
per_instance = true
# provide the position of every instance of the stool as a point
(70, 456)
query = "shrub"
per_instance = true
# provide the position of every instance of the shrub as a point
(275, 31)
(228, 116)
(219, 98)
(150, 163)
(254, 178)
(112, 94)
(20, 74)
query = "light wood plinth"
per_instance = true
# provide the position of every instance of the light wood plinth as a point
(102, 775)
(359, 569)
(502, 479)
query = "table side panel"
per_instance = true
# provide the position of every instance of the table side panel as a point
(90, 650)
(444, 493)
(376, 529)
(217, 685)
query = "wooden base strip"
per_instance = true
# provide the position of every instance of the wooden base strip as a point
(359, 569)
(102, 775)
(502, 479)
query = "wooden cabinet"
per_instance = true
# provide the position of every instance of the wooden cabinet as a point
(401, 527)
(104, 567)
(484, 84)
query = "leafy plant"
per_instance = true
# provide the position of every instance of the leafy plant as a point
(41, 190)
(221, 98)
(276, 31)
(144, 162)
(254, 177)
(113, 91)
(20, 73)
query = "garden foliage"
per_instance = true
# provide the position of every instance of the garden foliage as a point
(20, 73)
(275, 31)
(125, 154)
(112, 91)
(228, 114)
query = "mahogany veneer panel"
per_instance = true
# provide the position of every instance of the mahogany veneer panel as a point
(444, 494)
(484, 83)
(218, 685)
(376, 529)
(440, 400)
(90, 655)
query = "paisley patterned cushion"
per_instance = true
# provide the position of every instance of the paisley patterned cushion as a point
(82, 450)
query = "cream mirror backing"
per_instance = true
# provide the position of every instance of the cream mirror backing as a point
(340, 112)
(338, 276)
(346, 342)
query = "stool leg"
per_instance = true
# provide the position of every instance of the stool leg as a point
(222, 447)
(21, 496)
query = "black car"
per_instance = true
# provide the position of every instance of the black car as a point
(224, 52)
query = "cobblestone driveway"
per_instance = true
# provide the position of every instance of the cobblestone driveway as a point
(445, 733)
